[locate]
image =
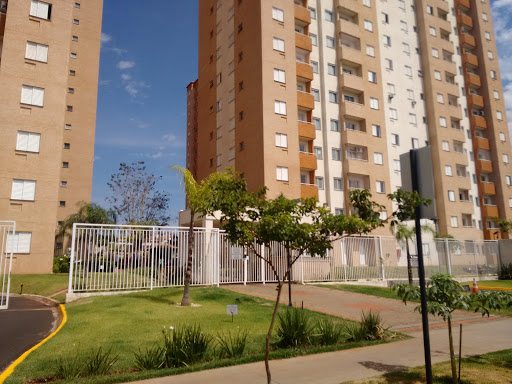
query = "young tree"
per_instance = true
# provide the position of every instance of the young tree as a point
(504, 225)
(251, 221)
(135, 197)
(89, 213)
(445, 295)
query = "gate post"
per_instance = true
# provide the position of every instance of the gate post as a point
(245, 269)
(381, 260)
(448, 257)
(263, 264)
(152, 270)
(72, 260)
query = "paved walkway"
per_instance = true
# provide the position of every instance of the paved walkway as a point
(479, 336)
(394, 313)
(23, 325)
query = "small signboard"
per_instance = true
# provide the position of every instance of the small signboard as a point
(232, 309)
(414, 261)
(466, 288)
(236, 253)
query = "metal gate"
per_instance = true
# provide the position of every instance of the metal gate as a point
(7, 230)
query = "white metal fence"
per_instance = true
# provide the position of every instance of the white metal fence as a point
(117, 257)
(7, 230)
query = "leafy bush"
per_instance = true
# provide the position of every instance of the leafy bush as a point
(231, 345)
(294, 328)
(61, 264)
(151, 358)
(96, 362)
(370, 328)
(505, 272)
(353, 332)
(185, 345)
(328, 332)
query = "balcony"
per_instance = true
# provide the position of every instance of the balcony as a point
(476, 100)
(464, 3)
(307, 161)
(305, 100)
(353, 109)
(303, 42)
(304, 71)
(302, 14)
(478, 121)
(487, 188)
(466, 38)
(490, 211)
(308, 190)
(472, 79)
(492, 234)
(307, 130)
(484, 166)
(351, 54)
(469, 58)
(465, 20)
(482, 143)
(349, 28)
(352, 81)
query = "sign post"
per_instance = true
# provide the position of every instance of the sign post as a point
(232, 310)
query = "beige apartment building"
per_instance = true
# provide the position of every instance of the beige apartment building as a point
(49, 63)
(319, 97)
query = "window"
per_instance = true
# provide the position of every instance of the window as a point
(412, 119)
(335, 125)
(28, 141)
(331, 69)
(505, 158)
(493, 75)
(454, 221)
(446, 146)
(329, 42)
(318, 153)
(336, 154)
(403, 26)
(406, 48)
(496, 95)
(72, 73)
(219, 78)
(443, 122)
(389, 64)
(278, 14)
(280, 107)
(279, 75)
(374, 103)
(368, 25)
(430, 10)
(23, 190)
(372, 77)
(19, 242)
(316, 123)
(391, 89)
(73, 55)
(333, 97)
(370, 50)
(451, 195)
(281, 140)
(312, 12)
(432, 31)
(408, 71)
(62, 204)
(415, 143)
(76, 21)
(314, 39)
(385, 18)
(69, 108)
(380, 187)
(278, 44)
(65, 164)
(448, 170)
(499, 115)
(393, 114)
(367, 3)
(329, 15)
(338, 184)
(376, 130)
(435, 53)
(77, 5)
(502, 136)
(396, 165)
(319, 181)
(387, 41)
(508, 180)
(64, 184)
(484, 17)
(67, 127)
(316, 94)
(440, 98)
(395, 139)
(282, 173)
(74, 38)
(37, 52)
(437, 75)
(487, 35)
(378, 158)
(71, 90)
(219, 105)
(383, 215)
(32, 95)
(490, 55)
(314, 64)
(40, 9)
(219, 160)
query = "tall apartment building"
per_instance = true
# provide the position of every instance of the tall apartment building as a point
(319, 97)
(49, 63)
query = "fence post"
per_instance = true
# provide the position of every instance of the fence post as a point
(476, 265)
(219, 252)
(381, 260)
(245, 269)
(263, 264)
(448, 256)
(302, 269)
(72, 260)
(152, 258)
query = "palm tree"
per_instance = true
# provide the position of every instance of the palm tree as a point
(404, 234)
(88, 213)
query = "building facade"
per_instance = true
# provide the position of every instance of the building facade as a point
(49, 63)
(319, 97)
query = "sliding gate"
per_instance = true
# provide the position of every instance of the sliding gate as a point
(7, 229)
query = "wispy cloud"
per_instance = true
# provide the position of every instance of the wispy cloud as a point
(105, 38)
(502, 3)
(139, 123)
(124, 64)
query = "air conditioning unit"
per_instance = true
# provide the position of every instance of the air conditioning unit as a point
(359, 149)
(3, 6)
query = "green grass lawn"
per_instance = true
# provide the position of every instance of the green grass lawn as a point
(491, 368)
(495, 283)
(43, 285)
(128, 322)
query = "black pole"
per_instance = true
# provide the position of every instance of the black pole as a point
(460, 349)
(289, 278)
(415, 170)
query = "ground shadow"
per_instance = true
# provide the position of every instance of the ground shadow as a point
(382, 367)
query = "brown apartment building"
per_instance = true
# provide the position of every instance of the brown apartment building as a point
(319, 97)
(49, 62)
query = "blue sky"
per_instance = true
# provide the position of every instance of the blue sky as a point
(148, 56)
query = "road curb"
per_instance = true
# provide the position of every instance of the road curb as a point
(62, 311)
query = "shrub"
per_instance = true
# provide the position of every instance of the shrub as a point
(185, 345)
(328, 332)
(61, 264)
(294, 328)
(70, 367)
(96, 362)
(231, 345)
(370, 328)
(151, 358)
(505, 272)
(353, 332)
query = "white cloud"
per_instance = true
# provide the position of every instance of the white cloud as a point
(502, 3)
(105, 38)
(134, 87)
(122, 65)
(126, 76)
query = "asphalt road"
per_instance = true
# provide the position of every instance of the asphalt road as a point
(23, 325)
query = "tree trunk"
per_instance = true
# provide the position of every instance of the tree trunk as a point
(409, 264)
(185, 301)
(269, 334)
(452, 353)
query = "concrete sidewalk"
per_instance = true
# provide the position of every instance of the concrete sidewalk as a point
(356, 364)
